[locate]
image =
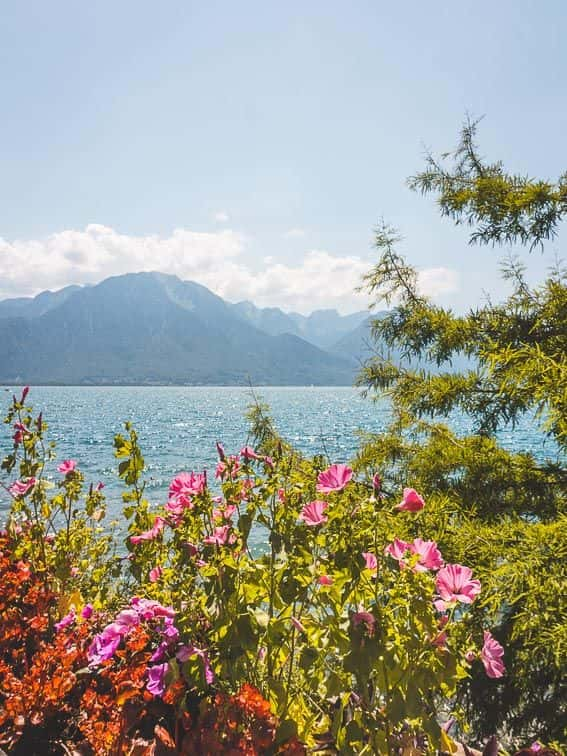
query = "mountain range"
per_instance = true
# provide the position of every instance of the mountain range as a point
(153, 328)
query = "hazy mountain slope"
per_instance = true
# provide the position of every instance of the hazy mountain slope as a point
(154, 328)
(34, 307)
(322, 328)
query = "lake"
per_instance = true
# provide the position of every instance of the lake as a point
(178, 426)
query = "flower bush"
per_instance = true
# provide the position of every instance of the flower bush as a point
(338, 635)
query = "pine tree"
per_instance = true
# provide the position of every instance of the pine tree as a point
(503, 512)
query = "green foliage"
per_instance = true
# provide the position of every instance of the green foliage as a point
(503, 511)
(501, 208)
(343, 641)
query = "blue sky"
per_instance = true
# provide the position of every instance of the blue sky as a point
(254, 145)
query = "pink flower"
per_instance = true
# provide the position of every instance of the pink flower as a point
(297, 625)
(312, 513)
(376, 483)
(149, 535)
(99, 486)
(334, 478)
(247, 453)
(156, 679)
(429, 555)
(192, 550)
(411, 502)
(74, 571)
(470, 656)
(440, 640)
(21, 431)
(491, 655)
(220, 451)
(371, 561)
(67, 466)
(148, 609)
(325, 580)
(155, 574)
(247, 486)
(398, 550)
(87, 611)
(228, 466)
(21, 488)
(281, 495)
(221, 536)
(184, 486)
(454, 584)
(224, 513)
(362, 617)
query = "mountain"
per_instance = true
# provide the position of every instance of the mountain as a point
(28, 307)
(356, 345)
(151, 328)
(322, 327)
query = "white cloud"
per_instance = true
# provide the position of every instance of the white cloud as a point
(215, 260)
(294, 233)
(222, 217)
(434, 282)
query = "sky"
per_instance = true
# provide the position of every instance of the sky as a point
(253, 146)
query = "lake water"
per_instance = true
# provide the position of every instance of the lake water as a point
(178, 426)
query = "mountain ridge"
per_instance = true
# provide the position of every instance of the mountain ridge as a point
(152, 328)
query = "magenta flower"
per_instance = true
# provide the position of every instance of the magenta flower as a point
(67, 466)
(334, 478)
(87, 611)
(103, 646)
(376, 483)
(221, 536)
(364, 618)
(371, 561)
(454, 583)
(156, 679)
(65, 621)
(155, 574)
(312, 513)
(491, 656)
(411, 502)
(186, 652)
(149, 535)
(21, 488)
